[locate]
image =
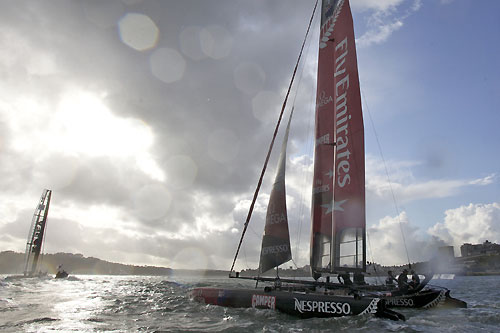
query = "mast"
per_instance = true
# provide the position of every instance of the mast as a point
(36, 233)
(338, 201)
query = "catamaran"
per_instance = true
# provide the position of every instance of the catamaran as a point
(338, 230)
(36, 239)
(36, 235)
(339, 165)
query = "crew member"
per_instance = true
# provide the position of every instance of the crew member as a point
(344, 278)
(415, 280)
(403, 280)
(359, 278)
(390, 279)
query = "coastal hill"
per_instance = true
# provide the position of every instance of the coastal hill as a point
(13, 263)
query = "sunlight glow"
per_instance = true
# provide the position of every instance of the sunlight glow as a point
(83, 124)
(89, 127)
(90, 216)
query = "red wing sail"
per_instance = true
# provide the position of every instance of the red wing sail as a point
(276, 240)
(338, 204)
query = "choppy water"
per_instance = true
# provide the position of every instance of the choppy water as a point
(134, 303)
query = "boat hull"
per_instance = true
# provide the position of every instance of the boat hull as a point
(425, 299)
(299, 304)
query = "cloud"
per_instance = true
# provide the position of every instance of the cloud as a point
(379, 34)
(387, 17)
(386, 242)
(490, 179)
(406, 187)
(378, 5)
(474, 223)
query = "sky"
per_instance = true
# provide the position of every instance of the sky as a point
(150, 121)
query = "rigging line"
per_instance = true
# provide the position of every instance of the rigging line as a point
(373, 261)
(255, 232)
(388, 178)
(296, 269)
(245, 256)
(272, 141)
(303, 67)
(294, 263)
(302, 196)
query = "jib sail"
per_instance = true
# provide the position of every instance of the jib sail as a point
(276, 240)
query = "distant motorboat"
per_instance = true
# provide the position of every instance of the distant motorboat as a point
(61, 275)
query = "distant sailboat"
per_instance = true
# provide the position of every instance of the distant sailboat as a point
(338, 217)
(36, 238)
(36, 234)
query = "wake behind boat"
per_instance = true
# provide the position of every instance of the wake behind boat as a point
(336, 79)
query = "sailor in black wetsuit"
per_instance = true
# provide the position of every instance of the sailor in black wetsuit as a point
(344, 278)
(390, 279)
(359, 278)
(415, 280)
(403, 281)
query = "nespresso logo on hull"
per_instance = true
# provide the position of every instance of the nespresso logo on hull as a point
(323, 307)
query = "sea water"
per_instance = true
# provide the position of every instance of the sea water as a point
(162, 304)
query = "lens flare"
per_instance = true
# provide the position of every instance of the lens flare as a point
(138, 31)
(216, 42)
(167, 65)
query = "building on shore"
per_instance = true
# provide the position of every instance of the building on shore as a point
(468, 250)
